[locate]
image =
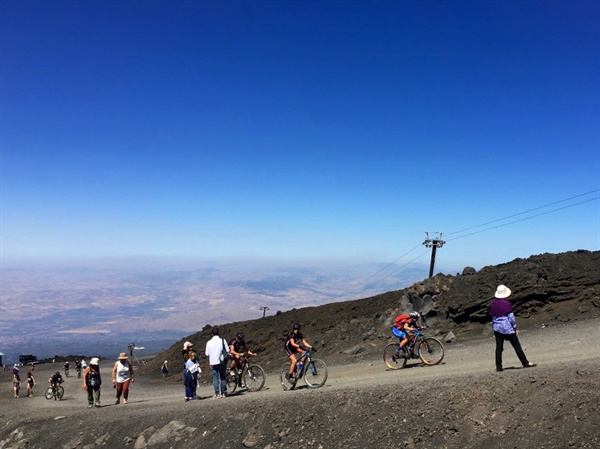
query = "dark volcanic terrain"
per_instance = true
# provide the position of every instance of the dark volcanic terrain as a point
(460, 403)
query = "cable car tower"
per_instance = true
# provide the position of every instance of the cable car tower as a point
(132, 347)
(434, 244)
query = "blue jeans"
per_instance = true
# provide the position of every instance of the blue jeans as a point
(219, 380)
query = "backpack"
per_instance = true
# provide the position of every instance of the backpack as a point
(401, 320)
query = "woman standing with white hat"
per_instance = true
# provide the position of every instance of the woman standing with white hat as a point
(122, 377)
(505, 327)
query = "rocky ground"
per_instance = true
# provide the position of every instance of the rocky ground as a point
(460, 403)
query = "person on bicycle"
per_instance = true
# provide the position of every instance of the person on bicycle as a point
(55, 380)
(405, 327)
(295, 345)
(237, 348)
(66, 367)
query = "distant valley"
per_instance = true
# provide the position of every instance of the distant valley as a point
(64, 310)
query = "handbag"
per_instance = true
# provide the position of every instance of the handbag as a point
(225, 356)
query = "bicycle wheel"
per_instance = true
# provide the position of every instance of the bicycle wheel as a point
(254, 377)
(232, 380)
(287, 384)
(391, 358)
(315, 375)
(48, 394)
(431, 351)
(60, 392)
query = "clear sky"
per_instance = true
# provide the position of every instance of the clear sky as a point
(300, 130)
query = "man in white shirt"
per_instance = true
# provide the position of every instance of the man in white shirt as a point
(214, 351)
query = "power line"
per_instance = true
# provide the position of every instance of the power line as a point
(397, 269)
(522, 219)
(530, 210)
(375, 274)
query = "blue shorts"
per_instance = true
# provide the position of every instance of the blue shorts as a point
(398, 333)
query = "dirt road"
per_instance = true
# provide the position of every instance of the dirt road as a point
(359, 402)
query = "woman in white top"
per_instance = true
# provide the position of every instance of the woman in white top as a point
(122, 376)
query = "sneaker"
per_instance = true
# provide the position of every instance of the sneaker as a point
(288, 376)
(118, 402)
(499, 370)
(529, 365)
(98, 405)
(124, 401)
(90, 406)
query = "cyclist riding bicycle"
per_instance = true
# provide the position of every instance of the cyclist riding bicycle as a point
(55, 380)
(405, 327)
(237, 347)
(295, 345)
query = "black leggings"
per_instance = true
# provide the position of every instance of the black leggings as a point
(514, 341)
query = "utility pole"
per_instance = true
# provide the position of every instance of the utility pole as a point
(264, 309)
(434, 244)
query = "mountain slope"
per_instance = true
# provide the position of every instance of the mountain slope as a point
(546, 288)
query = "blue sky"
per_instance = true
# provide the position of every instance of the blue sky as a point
(302, 131)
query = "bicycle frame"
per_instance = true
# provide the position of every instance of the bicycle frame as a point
(305, 360)
(237, 375)
(412, 342)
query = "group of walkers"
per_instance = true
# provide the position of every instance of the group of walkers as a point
(17, 383)
(122, 377)
(221, 355)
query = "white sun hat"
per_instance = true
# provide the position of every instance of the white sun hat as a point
(502, 292)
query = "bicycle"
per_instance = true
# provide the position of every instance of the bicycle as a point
(430, 350)
(313, 371)
(54, 391)
(252, 376)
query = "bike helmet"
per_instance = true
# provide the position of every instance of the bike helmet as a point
(296, 326)
(414, 315)
(240, 335)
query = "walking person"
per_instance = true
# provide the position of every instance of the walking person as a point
(92, 382)
(16, 383)
(216, 350)
(505, 327)
(30, 384)
(122, 377)
(165, 369)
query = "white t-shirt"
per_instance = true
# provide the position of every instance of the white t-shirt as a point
(123, 371)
